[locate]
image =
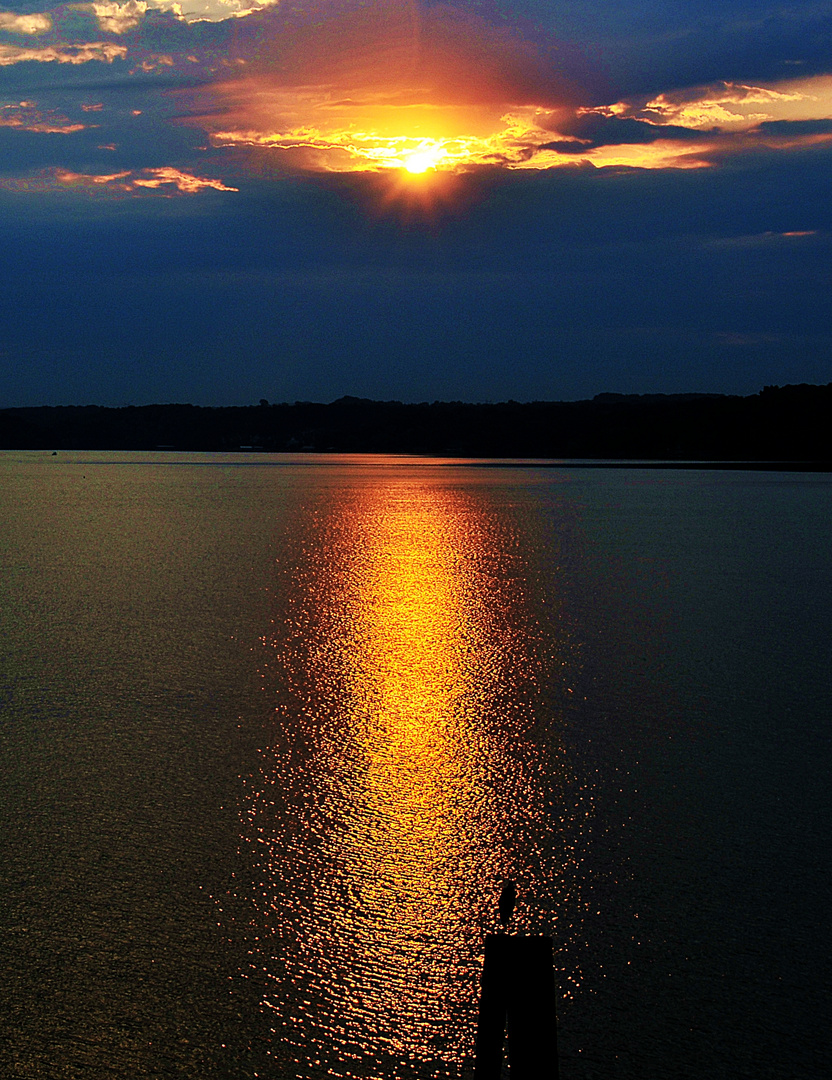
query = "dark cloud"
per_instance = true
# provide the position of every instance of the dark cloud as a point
(127, 277)
(554, 284)
(788, 128)
(647, 46)
(592, 130)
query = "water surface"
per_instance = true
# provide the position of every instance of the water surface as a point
(275, 730)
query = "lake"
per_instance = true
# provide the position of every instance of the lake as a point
(276, 728)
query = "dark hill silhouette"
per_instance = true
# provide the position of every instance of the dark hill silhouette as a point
(779, 424)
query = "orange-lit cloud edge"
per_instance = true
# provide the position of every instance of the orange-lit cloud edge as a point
(307, 128)
(392, 87)
(165, 181)
(396, 86)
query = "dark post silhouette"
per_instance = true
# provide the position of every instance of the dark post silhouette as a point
(518, 991)
(532, 1028)
(491, 1023)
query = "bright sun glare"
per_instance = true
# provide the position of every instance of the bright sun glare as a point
(426, 157)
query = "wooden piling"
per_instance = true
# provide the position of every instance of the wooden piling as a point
(518, 992)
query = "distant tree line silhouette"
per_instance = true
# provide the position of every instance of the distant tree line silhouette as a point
(780, 423)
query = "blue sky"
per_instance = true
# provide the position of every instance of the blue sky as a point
(221, 201)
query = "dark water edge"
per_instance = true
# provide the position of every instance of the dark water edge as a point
(133, 705)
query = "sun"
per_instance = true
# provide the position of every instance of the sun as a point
(427, 156)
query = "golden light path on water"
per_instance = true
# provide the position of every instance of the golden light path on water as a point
(401, 784)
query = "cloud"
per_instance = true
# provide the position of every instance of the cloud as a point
(766, 239)
(372, 85)
(555, 283)
(34, 24)
(694, 126)
(651, 49)
(346, 85)
(588, 130)
(102, 51)
(116, 18)
(27, 118)
(185, 183)
(211, 10)
(166, 181)
(339, 86)
(620, 193)
(386, 85)
(735, 105)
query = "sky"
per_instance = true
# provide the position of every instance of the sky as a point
(218, 201)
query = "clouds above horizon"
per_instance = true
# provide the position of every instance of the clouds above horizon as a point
(281, 137)
(347, 85)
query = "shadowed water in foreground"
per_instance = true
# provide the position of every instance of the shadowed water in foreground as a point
(274, 735)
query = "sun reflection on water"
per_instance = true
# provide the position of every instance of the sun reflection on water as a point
(409, 759)
(400, 785)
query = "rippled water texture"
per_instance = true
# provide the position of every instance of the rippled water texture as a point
(275, 730)
(408, 776)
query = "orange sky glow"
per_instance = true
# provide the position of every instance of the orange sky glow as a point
(391, 87)
(314, 130)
